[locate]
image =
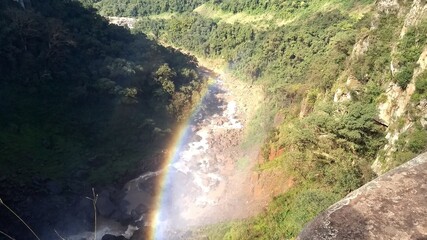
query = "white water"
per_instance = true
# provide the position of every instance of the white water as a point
(197, 184)
(196, 178)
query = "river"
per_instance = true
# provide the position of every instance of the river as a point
(201, 183)
(208, 179)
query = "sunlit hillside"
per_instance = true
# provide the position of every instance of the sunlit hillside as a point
(202, 119)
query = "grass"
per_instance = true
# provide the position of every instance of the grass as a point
(258, 126)
(259, 21)
(271, 18)
(273, 164)
(283, 219)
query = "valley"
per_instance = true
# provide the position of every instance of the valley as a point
(209, 119)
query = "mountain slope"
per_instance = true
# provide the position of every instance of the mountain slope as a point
(346, 94)
(83, 104)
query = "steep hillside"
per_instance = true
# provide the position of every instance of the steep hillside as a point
(83, 104)
(345, 82)
(133, 8)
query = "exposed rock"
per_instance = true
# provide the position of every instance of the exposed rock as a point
(306, 108)
(396, 102)
(422, 62)
(341, 96)
(104, 205)
(123, 21)
(344, 93)
(393, 206)
(138, 212)
(422, 107)
(360, 47)
(112, 237)
(416, 12)
(353, 84)
(139, 234)
(388, 6)
(275, 153)
(394, 108)
(84, 210)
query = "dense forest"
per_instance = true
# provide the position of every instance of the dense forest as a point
(82, 104)
(326, 67)
(344, 83)
(141, 7)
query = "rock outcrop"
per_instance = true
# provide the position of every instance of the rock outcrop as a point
(393, 206)
(123, 21)
(394, 111)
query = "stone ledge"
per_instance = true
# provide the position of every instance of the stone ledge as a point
(393, 206)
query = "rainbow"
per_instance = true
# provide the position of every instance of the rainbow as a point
(173, 155)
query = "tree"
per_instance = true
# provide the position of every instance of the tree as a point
(165, 75)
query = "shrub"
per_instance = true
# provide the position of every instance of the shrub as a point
(418, 140)
(403, 78)
(420, 87)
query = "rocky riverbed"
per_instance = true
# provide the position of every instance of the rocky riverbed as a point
(204, 182)
(212, 179)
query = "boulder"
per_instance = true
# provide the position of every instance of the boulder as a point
(104, 205)
(393, 206)
(112, 237)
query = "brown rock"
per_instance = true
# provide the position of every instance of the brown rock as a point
(393, 206)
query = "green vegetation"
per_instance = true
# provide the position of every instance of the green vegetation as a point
(265, 14)
(78, 92)
(409, 50)
(327, 145)
(133, 8)
(239, 6)
(281, 56)
(82, 99)
(374, 65)
(421, 87)
(284, 218)
(410, 144)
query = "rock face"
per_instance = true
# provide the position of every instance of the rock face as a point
(393, 206)
(396, 107)
(123, 21)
